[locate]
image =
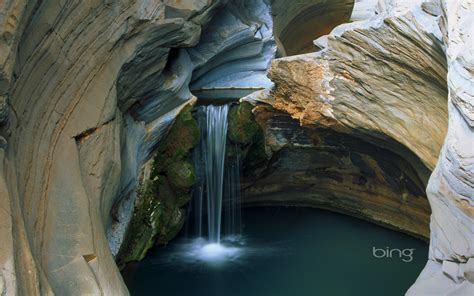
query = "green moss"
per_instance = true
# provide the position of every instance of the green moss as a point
(148, 212)
(181, 174)
(183, 136)
(158, 214)
(255, 154)
(248, 135)
(242, 126)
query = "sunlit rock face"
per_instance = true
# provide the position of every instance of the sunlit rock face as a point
(357, 127)
(450, 268)
(364, 9)
(298, 23)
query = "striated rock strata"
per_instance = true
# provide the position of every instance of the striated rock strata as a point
(357, 127)
(450, 268)
(90, 93)
(89, 90)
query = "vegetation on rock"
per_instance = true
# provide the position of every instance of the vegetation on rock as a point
(244, 131)
(158, 214)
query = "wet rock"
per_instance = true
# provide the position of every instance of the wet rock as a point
(3, 110)
(165, 188)
(243, 129)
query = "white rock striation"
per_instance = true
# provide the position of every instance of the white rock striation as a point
(450, 268)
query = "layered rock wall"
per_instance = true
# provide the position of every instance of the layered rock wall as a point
(357, 127)
(76, 139)
(91, 89)
(450, 268)
(88, 89)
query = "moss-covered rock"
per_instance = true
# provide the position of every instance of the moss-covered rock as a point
(158, 214)
(243, 129)
(181, 174)
(183, 136)
(142, 228)
(248, 135)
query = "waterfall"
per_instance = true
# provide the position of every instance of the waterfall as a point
(232, 193)
(218, 177)
(215, 159)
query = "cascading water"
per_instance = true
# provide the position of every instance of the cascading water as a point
(232, 193)
(217, 190)
(214, 166)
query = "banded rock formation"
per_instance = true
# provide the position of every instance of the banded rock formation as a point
(87, 91)
(369, 120)
(450, 268)
(70, 71)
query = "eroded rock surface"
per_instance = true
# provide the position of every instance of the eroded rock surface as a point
(450, 268)
(74, 74)
(357, 127)
(88, 91)
(298, 23)
(235, 51)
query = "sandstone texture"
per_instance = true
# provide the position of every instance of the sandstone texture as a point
(357, 126)
(450, 268)
(87, 92)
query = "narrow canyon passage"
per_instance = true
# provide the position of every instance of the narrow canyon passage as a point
(236, 147)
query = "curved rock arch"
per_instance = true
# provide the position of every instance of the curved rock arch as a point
(298, 23)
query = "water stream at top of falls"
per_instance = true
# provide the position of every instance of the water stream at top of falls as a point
(218, 177)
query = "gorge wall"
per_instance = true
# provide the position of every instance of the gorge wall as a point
(450, 268)
(73, 74)
(357, 127)
(90, 90)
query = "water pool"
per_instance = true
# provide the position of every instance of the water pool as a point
(285, 252)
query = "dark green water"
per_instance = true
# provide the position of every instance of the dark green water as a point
(286, 252)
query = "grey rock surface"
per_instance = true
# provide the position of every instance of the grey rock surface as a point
(68, 70)
(450, 267)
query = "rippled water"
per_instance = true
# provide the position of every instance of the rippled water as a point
(284, 252)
